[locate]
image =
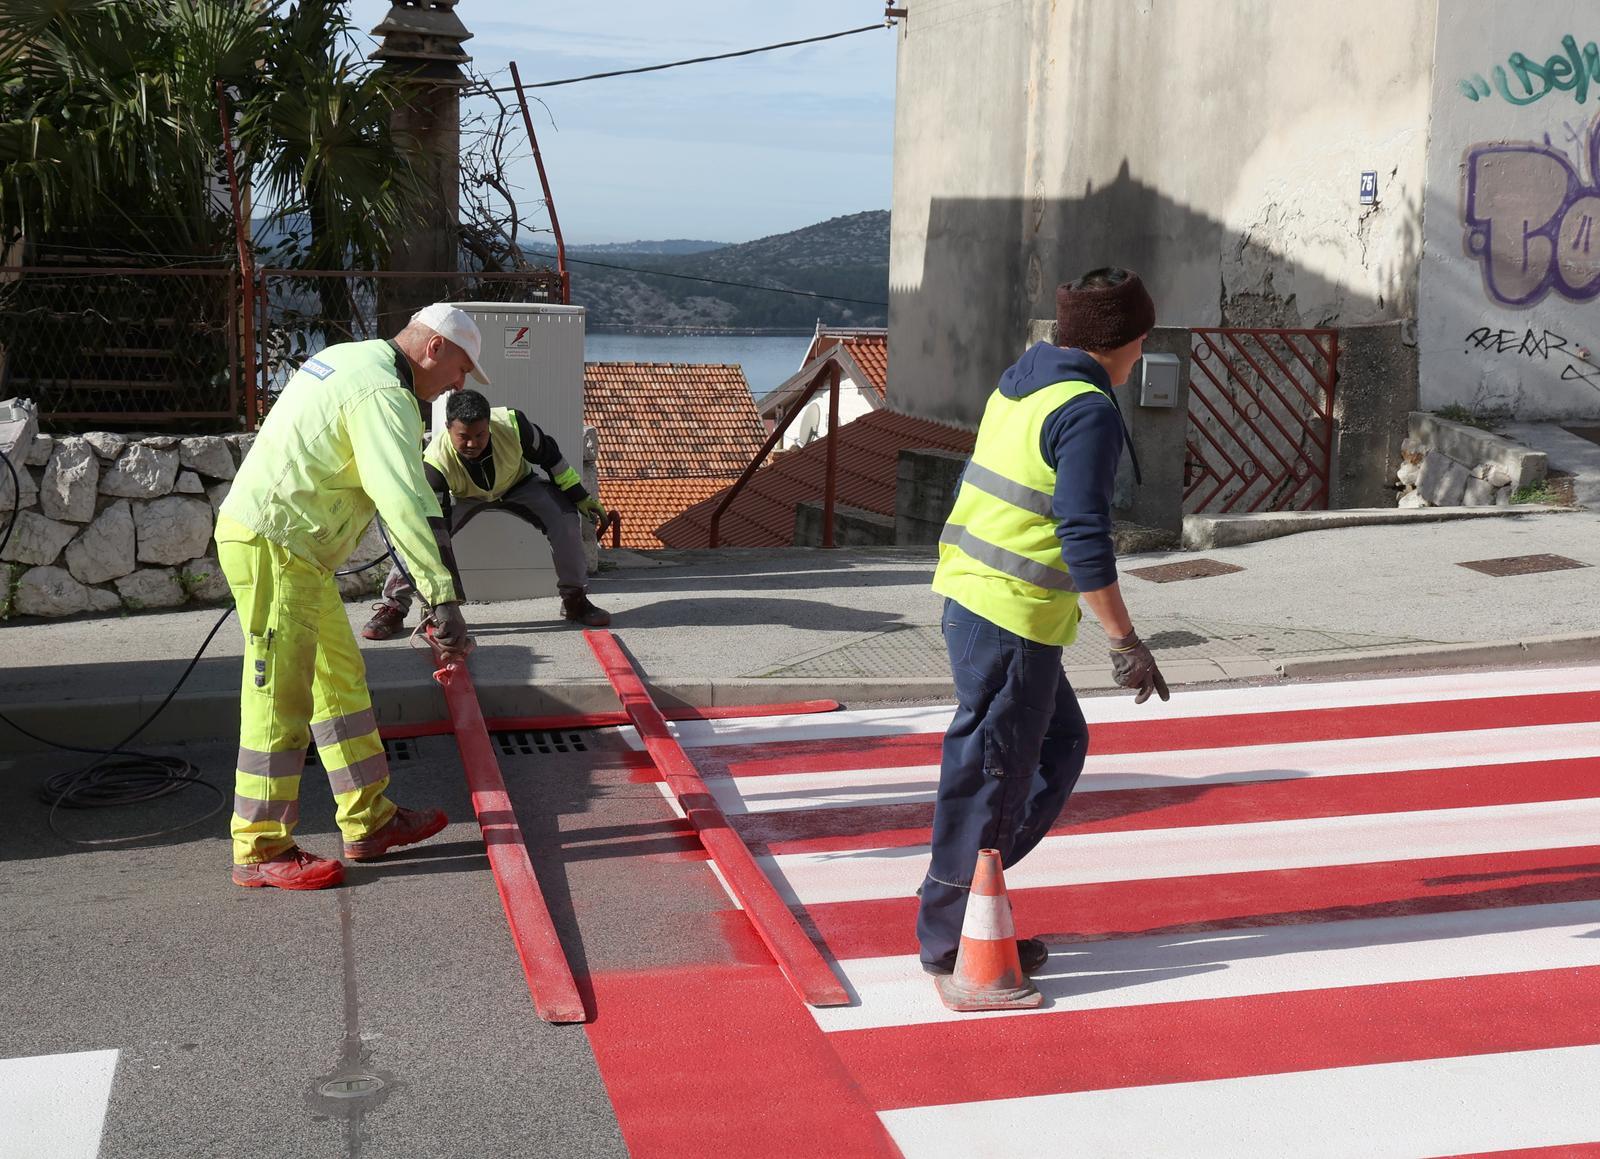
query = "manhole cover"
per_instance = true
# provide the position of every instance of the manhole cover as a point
(352, 1086)
(1523, 565)
(1167, 573)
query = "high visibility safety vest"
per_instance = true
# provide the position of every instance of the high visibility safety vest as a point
(999, 555)
(340, 443)
(505, 444)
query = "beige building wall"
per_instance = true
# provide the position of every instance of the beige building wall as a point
(1510, 310)
(1216, 148)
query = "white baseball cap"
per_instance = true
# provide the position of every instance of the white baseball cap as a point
(457, 325)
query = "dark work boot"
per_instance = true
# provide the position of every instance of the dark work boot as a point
(386, 621)
(575, 605)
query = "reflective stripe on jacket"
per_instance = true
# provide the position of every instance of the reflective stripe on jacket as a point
(505, 444)
(999, 555)
(341, 442)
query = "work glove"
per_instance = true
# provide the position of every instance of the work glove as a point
(1132, 666)
(449, 626)
(592, 510)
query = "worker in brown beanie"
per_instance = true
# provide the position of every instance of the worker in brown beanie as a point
(1028, 539)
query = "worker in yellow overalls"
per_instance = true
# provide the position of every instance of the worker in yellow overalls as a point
(341, 442)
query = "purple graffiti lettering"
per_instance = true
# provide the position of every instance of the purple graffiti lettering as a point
(1529, 219)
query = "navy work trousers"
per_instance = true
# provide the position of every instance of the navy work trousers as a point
(1011, 758)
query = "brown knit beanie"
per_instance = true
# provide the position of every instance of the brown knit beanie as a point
(1094, 316)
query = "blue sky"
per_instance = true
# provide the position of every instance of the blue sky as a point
(726, 151)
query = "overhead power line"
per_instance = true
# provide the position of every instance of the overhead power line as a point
(550, 84)
(716, 281)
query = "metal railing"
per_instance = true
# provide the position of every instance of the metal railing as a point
(114, 345)
(830, 373)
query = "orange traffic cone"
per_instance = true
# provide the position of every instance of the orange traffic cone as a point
(988, 973)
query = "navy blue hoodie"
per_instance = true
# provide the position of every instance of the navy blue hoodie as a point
(1082, 440)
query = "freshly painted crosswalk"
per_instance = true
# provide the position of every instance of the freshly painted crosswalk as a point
(1346, 919)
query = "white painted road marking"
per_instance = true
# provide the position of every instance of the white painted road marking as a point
(53, 1106)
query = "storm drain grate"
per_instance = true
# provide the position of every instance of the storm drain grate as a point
(528, 742)
(1188, 569)
(1523, 565)
(404, 749)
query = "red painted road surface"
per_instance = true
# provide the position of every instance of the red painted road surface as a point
(1356, 919)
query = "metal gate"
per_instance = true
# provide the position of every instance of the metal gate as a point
(1260, 420)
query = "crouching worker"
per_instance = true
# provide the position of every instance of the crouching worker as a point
(484, 460)
(1029, 537)
(341, 441)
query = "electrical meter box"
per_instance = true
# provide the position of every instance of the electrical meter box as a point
(1158, 380)
(533, 355)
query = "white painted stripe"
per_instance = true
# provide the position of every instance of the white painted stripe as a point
(1185, 703)
(1147, 854)
(1438, 1106)
(1118, 972)
(53, 1106)
(914, 784)
(988, 919)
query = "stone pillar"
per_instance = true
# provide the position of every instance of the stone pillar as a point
(420, 45)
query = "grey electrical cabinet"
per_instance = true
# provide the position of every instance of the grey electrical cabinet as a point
(533, 355)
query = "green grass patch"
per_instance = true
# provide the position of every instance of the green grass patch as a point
(1539, 492)
(1483, 420)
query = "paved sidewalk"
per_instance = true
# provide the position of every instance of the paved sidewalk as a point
(861, 625)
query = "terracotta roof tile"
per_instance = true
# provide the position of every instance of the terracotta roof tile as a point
(671, 434)
(646, 504)
(869, 349)
(868, 461)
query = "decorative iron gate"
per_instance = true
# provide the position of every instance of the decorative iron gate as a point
(1260, 420)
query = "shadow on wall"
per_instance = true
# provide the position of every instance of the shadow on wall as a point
(990, 265)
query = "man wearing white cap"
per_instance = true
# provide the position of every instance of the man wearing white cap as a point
(340, 444)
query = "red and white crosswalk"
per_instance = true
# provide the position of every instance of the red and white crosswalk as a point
(1345, 919)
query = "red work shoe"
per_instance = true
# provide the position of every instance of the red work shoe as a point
(386, 621)
(406, 827)
(294, 869)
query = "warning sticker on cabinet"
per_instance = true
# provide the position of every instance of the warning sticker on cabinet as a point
(517, 343)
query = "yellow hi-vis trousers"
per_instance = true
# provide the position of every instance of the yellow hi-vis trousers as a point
(303, 679)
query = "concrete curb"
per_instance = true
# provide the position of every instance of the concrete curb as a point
(213, 715)
(1534, 650)
(1211, 532)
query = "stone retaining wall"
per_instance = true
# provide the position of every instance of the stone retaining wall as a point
(1450, 464)
(108, 522)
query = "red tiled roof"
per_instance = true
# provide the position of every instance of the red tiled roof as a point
(671, 433)
(645, 504)
(868, 461)
(870, 351)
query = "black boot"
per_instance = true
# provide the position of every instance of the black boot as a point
(575, 605)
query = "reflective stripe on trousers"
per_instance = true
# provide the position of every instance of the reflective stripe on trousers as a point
(303, 678)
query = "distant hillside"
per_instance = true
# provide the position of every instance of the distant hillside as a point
(847, 256)
(671, 245)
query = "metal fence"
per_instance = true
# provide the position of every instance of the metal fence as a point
(122, 346)
(1260, 419)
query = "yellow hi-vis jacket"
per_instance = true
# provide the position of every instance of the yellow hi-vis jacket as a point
(505, 444)
(999, 556)
(340, 442)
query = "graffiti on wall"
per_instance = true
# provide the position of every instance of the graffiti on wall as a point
(1530, 213)
(1523, 80)
(1539, 345)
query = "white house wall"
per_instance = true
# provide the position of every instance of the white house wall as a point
(1216, 148)
(1510, 310)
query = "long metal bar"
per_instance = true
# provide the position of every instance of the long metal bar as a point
(799, 959)
(830, 480)
(712, 536)
(285, 272)
(141, 271)
(544, 183)
(544, 963)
